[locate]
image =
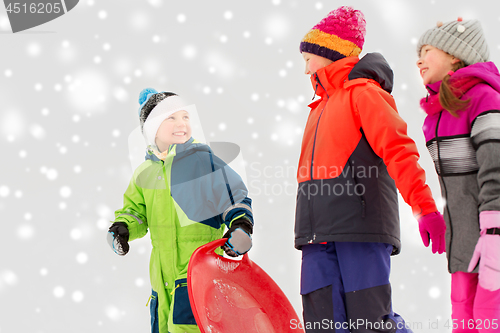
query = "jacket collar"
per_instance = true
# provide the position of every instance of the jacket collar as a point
(431, 104)
(180, 147)
(155, 155)
(433, 88)
(329, 78)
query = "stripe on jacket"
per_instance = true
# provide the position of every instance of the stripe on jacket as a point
(486, 128)
(135, 217)
(457, 154)
(237, 205)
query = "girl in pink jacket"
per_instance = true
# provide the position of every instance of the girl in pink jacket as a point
(462, 131)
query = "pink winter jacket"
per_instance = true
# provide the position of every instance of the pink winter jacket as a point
(466, 154)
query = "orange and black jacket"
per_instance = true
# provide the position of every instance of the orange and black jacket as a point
(355, 152)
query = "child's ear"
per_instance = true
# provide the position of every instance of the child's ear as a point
(455, 60)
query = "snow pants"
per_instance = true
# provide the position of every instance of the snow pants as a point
(474, 309)
(345, 288)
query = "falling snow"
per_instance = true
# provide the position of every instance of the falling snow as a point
(37, 131)
(8, 278)
(114, 313)
(77, 296)
(76, 234)
(434, 292)
(181, 18)
(51, 174)
(58, 292)
(65, 191)
(34, 49)
(69, 108)
(4, 191)
(82, 258)
(25, 232)
(102, 14)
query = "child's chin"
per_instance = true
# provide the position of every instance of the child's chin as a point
(181, 139)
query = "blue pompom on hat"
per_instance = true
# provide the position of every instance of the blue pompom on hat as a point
(149, 98)
(144, 96)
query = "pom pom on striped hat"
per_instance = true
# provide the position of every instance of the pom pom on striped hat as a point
(340, 34)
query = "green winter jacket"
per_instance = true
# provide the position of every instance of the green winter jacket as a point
(184, 201)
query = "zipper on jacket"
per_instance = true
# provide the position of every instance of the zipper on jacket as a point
(317, 124)
(444, 187)
(318, 82)
(315, 89)
(361, 197)
(173, 240)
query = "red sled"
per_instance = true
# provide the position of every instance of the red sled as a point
(235, 296)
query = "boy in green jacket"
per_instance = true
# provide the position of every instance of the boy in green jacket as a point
(183, 194)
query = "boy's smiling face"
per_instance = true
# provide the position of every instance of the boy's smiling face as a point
(314, 62)
(173, 130)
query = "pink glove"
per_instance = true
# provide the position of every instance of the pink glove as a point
(488, 249)
(432, 227)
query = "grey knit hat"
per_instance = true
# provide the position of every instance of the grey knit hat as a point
(462, 39)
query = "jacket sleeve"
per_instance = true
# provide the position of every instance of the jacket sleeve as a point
(133, 212)
(386, 132)
(235, 202)
(485, 137)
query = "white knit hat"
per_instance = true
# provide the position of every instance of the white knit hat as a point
(155, 108)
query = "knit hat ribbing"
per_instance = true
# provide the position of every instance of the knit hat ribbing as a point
(462, 39)
(149, 98)
(340, 34)
(155, 108)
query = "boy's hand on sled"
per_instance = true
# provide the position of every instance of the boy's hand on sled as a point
(118, 238)
(432, 228)
(239, 239)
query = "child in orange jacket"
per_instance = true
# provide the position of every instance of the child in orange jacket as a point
(355, 152)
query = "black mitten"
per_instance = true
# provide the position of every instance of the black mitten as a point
(239, 239)
(118, 238)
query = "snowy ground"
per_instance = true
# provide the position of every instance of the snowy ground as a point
(68, 92)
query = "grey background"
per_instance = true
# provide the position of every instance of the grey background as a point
(68, 92)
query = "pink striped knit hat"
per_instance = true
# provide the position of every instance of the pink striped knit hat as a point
(340, 34)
